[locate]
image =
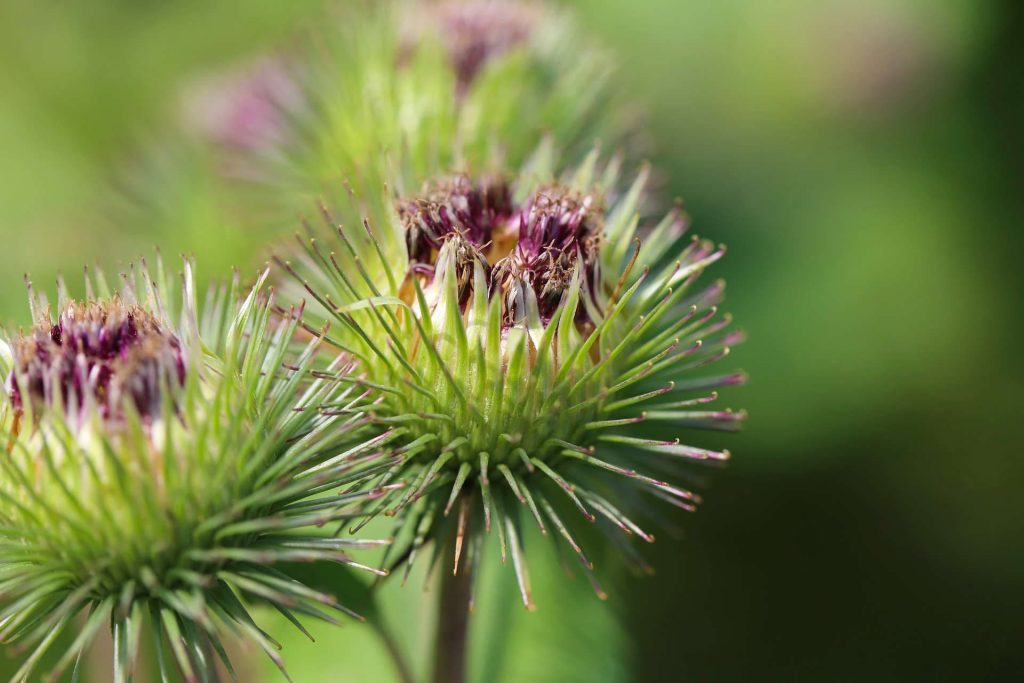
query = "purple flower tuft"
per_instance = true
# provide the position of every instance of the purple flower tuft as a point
(558, 229)
(97, 353)
(456, 208)
(537, 244)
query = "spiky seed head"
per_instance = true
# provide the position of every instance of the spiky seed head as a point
(527, 379)
(158, 464)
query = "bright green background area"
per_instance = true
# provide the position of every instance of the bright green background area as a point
(862, 159)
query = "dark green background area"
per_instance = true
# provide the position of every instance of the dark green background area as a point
(863, 160)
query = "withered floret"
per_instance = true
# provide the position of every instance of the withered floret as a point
(558, 230)
(537, 245)
(474, 215)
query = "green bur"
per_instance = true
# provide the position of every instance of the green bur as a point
(501, 410)
(169, 524)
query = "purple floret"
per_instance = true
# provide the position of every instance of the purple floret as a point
(100, 354)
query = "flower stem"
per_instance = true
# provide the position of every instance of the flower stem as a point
(452, 635)
(452, 628)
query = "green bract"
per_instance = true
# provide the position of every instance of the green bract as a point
(158, 465)
(524, 333)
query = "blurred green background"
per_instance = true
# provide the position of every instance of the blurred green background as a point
(864, 161)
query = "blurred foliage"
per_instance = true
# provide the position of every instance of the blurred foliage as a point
(862, 159)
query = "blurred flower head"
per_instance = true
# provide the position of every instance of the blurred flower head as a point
(434, 86)
(477, 31)
(245, 108)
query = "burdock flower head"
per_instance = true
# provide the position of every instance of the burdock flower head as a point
(437, 85)
(532, 345)
(478, 31)
(158, 465)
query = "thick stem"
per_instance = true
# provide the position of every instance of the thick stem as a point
(452, 627)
